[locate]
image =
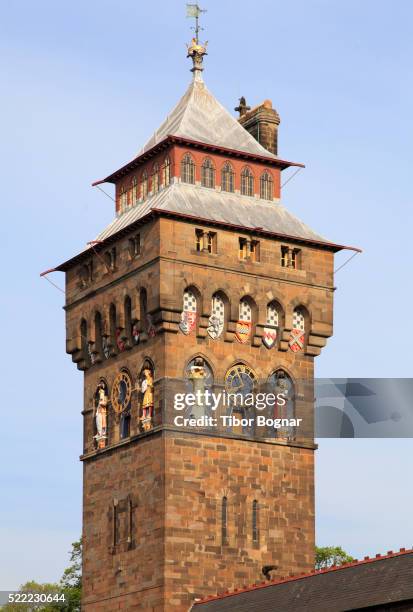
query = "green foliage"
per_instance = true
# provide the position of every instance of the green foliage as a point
(33, 587)
(71, 581)
(70, 585)
(326, 556)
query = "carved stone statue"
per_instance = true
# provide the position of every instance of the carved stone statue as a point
(147, 397)
(197, 374)
(101, 416)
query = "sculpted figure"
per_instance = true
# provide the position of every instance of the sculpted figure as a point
(147, 397)
(101, 416)
(197, 375)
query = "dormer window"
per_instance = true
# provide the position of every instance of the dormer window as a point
(110, 259)
(144, 185)
(188, 169)
(227, 178)
(208, 174)
(134, 246)
(205, 241)
(166, 172)
(155, 178)
(247, 182)
(123, 200)
(85, 274)
(134, 191)
(266, 186)
(290, 258)
(243, 248)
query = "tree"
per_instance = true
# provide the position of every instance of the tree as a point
(327, 556)
(34, 587)
(71, 581)
(70, 586)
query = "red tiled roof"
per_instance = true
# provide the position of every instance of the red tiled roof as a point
(284, 580)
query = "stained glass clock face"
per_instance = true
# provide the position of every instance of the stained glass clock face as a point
(240, 379)
(121, 392)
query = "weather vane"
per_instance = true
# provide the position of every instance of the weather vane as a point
(196, 50)
(193, 10)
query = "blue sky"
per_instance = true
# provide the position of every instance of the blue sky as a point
(83, 85)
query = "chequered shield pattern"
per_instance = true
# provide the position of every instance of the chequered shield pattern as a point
(245, 313)
(298, 319)
(218, 307)
(189, 301)
(272, 315)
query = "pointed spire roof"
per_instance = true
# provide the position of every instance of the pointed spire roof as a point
(200, 117)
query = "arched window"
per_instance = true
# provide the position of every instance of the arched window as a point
(266, 186)
(123, 201)
(208, 174)
(255, 532)
(299, 319)
(134, 191)
(208, 376)
(127, 309)
(155, 178)
(144, 186)
(166, 172)
(189, 312)
(216, 321)
(188, 169)
(199, 378)
(224, 521)
(146, 325)
(247, 182)
(98, 336)
(84, 343)
(227, 177)
(281, 384)
(112, 327)
(245, 310)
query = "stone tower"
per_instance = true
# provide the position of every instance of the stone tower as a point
(202, 281)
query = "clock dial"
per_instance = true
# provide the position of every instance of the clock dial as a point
(240, 379)
(121, 392)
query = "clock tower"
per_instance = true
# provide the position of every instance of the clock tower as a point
(204, 283)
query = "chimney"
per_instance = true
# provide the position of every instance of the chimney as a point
(261, 122)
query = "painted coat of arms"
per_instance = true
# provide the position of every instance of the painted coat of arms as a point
(188, 322)
(243, 331)
(217, 319)
(244, 325)
(188, 316)
(269, 336)
(296, 342)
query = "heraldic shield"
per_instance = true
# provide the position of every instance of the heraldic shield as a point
(188, 316)
(217, 319)
(243, 331)
(188, 322)
(296, 342)
(269, 336)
